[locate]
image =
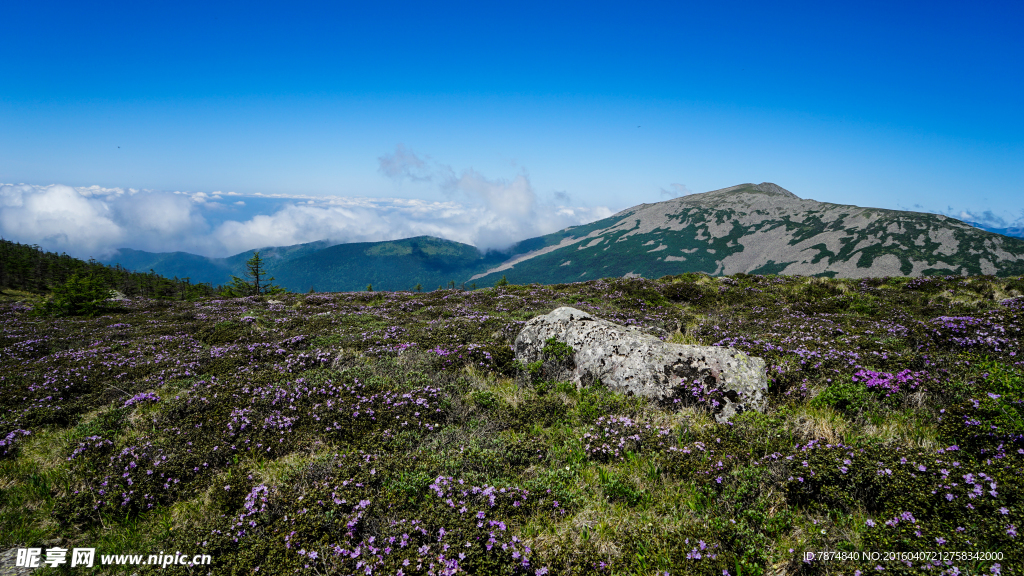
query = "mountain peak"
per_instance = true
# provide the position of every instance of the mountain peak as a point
(775, 189)
(765, 195)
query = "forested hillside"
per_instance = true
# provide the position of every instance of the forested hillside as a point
(392, 265)
(31, 269)
(399, 265)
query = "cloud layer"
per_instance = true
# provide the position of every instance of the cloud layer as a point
(95, 222)
(987, 218)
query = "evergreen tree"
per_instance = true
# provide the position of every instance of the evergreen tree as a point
(238, 287)
(79, 296)
(255, 282)
(502, 282)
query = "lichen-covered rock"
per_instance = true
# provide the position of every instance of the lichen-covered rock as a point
(629, 361)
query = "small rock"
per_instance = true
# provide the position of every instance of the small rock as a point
(9, 558)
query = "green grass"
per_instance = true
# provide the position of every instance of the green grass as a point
(253, 410)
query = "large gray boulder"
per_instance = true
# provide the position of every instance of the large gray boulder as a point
(629, 361)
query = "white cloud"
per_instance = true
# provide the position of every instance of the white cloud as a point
(405, 164)
(162, 215)
(989, 218)
(676, 191)
(94, 221)
(371, 220)
(59, 218)
(100, 191)
(498, 212)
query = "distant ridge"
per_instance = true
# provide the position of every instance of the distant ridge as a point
(324, 266)
(750, 228)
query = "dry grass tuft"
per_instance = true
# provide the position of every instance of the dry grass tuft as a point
(820, 423)
(689, 334)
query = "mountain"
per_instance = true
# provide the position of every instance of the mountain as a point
(395, 265)
(198, 269)
(201, 269)
(755, 229)
(392, 265)
(762, 229)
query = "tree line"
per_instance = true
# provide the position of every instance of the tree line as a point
(31, 269)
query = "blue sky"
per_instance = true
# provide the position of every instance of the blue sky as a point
(577, 110)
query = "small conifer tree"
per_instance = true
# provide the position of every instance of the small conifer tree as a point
(255, 282)
(79, 296)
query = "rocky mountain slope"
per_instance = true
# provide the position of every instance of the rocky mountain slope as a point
(763, 229)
